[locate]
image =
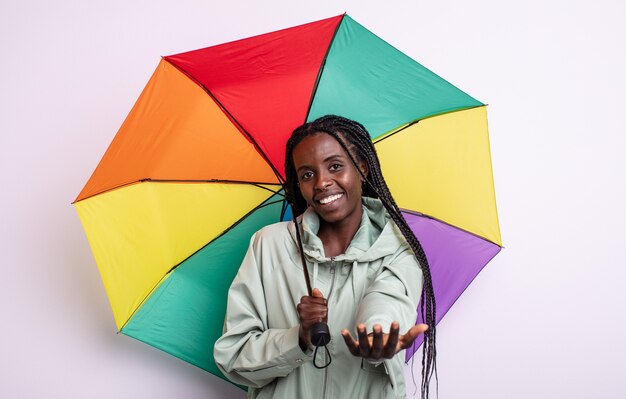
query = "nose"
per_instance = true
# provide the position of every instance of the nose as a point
(323, 181)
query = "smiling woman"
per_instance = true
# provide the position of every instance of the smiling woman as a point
(368, 273)
(332, 187)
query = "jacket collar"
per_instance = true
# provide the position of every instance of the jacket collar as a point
(376, 237)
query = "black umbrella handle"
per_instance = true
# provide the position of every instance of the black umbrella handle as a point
(320, 335)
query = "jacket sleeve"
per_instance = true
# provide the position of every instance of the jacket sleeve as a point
(394, 294)
(248, 352)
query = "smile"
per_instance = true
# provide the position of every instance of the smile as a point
(330, 199)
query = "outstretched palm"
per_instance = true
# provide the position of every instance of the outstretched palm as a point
(378, 345)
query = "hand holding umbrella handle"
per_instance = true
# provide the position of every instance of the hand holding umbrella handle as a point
(312, 312)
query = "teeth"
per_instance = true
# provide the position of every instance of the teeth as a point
(330, 199)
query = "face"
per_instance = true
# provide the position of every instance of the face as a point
(328, 180)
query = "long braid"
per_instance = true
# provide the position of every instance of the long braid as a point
(357, 143)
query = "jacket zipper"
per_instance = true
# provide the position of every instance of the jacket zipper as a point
(330, 291)
(332, 274)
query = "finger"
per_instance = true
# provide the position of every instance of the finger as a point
(364, 342)
(313, 300)
(317, 293)
(312, 308)
(377, 343)
(311, 319)
(392, 341)
(305, 309)
(352, 345)
(407, 339)
(307, 319)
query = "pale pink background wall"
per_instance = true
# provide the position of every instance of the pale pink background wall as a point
(544, 320)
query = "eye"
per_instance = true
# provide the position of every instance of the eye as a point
(335, 166)
(306, 175)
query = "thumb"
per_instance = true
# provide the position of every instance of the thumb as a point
(317, 293)
(407, 339)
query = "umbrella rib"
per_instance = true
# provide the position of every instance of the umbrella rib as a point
(162, 279)
(256, 184)
(283, 208)
(148, 180)
(397, 131)
(416, 213)
(393, 133)
(321, 69)
(232, 118)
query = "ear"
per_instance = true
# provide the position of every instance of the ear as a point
(364, 169)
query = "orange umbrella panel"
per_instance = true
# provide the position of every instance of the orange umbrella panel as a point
(177, 132)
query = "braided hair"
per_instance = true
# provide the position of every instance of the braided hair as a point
(356, 141)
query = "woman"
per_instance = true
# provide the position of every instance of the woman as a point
(366, 266)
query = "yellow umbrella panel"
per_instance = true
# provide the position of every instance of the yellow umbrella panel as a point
(445, 170)
(140, 232)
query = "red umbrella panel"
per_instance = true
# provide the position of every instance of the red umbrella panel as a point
(197, 167)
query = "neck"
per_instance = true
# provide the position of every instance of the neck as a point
(336, 237)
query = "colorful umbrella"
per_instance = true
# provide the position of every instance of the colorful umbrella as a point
(197, 167)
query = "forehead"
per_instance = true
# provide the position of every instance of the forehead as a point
(317, 148)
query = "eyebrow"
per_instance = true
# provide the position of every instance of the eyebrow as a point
(327, 159)
(330, 158)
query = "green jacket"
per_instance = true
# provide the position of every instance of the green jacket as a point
(377, 280)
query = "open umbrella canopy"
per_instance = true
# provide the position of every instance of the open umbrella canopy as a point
(197, 168)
